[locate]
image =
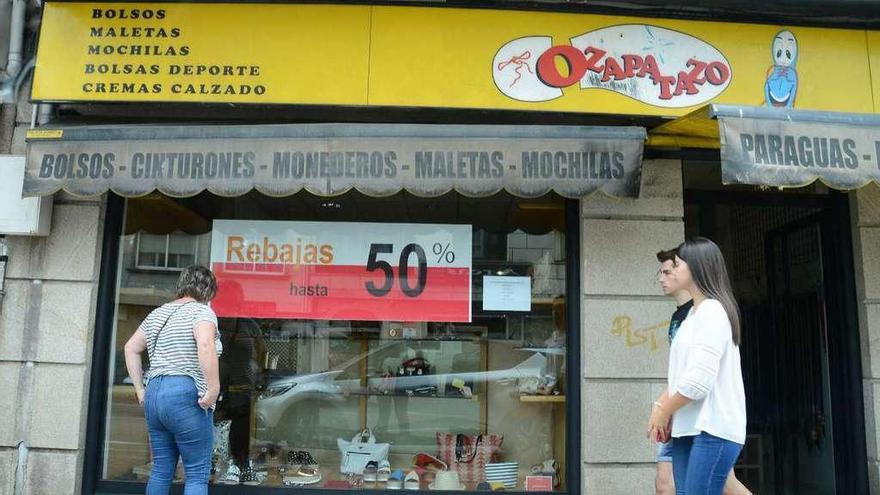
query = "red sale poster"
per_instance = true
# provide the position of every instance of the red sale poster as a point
(539, 483)
(342, 270)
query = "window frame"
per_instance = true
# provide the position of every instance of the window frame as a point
(167, 252)
(96, 420)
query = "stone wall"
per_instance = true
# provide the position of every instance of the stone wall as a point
(46, 334)
(866, 246)
(625, 317)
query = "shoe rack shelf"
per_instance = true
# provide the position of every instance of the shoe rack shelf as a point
(542, 398)
(475, 397)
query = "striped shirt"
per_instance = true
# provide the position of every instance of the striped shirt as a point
(176, 352)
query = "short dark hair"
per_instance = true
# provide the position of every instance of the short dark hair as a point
(197, 282)
(667, 255)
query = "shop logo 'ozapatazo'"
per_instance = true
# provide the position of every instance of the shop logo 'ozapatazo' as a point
(654, 65)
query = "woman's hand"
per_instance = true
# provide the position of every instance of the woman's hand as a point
(133, 349)
(659, 425)
(205, 333)
(209, 399)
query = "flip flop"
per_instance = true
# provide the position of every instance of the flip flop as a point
(412, 482)
(395, 482)
(383, 472)
(371, 472)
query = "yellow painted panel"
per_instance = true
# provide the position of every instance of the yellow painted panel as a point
(435, 57)
(873, 39)
(444, 57)
(253, 53)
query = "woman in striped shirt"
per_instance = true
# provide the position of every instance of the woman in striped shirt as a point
(183, 383)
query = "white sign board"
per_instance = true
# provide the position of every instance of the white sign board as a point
(507, 293)
(21, 216)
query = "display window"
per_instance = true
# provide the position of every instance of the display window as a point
(381, 343)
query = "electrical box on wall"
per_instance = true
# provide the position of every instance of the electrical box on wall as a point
(21, 216)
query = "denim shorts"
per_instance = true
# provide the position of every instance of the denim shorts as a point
(664, 451)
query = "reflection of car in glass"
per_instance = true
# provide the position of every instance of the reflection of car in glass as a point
(281, 394)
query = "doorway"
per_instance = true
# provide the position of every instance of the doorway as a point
(789, 257)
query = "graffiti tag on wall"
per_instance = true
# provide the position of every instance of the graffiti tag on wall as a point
(622, 326)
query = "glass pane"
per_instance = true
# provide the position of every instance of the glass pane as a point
(299, 392)
(181, 244)
(151, 250)
(180, 260)
(181, 250)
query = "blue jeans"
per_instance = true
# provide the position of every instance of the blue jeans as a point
(701, 464)
(179, 428)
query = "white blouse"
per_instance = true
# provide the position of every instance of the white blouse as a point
(704, 366)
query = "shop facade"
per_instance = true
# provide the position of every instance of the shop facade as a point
(445, 275)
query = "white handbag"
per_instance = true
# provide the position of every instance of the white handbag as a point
(361, 450)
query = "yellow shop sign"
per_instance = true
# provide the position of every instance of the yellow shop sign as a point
(442, 57)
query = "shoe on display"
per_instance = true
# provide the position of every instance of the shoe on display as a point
(143, 471)
(427, 462)
(412, 482)
(300, 458)
(232, 476)
(250, 477)
(395, 481)
(304, 476)
(371, 472)
(383, 472)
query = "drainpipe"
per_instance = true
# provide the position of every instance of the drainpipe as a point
(45, 112)
(4, 257)
(22, 75)
(16, 41)
(21, 468)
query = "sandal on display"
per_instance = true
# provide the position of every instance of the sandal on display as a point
(383, 472)
(412, 482)
(232, 476)
(143, 471)
(395, 481)
(304, 476)
(371, 472)
(427, 462)
(250, 477)
(355, 480)
(300, 458)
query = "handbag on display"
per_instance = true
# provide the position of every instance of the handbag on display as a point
(468, 454)
(415, 367)
(362, 449)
